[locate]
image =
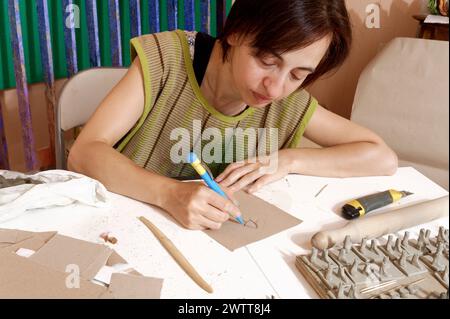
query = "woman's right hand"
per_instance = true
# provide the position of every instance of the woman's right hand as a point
(196, 206)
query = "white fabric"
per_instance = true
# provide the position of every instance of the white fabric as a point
(58, 188)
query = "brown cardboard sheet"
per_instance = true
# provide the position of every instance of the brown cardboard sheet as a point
(43, 274)
(126, 286)
(22, 278)
(261, 218)
(13, 239)
(61, 251)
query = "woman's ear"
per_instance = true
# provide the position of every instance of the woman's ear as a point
(233, 39)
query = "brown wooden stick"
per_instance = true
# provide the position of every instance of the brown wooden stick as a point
(176, 254)
(377, 287)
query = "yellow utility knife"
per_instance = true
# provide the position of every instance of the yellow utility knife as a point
(361, 206)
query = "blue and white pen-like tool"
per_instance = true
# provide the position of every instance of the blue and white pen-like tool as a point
(197, 165)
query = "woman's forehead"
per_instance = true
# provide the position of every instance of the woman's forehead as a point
(314, 51)
(311, 54)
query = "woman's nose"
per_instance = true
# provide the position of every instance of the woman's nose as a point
(274, 86)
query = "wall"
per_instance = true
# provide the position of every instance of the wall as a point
(335, 92)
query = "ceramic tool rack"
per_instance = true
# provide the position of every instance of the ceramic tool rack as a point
(386, 268)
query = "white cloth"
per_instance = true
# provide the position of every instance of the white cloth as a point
(58, 188)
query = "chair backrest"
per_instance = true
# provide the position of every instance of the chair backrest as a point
(403, 96)
(79, 98)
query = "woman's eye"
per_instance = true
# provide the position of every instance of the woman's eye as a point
(267, 62)
(298, 77)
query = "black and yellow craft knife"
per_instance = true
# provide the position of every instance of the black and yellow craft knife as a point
(361, 206)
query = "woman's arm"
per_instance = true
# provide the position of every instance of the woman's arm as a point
(348, 150)
(192, 204)
(93, 154)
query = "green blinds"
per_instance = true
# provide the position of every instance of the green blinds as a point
(57, 18)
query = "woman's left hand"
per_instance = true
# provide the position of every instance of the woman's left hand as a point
(254, 173)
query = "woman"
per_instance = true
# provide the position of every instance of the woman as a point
(251, 78)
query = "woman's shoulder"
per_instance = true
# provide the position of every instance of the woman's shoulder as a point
(167, 46)
(291, 110)
(166, 39)
(298, 98)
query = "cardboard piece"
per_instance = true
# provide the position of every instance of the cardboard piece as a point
(261, 218)
(62, 250)
(8, 236)
(132, 286)
(115, 259)
(23, 278)
(43, 274)
(13, 239)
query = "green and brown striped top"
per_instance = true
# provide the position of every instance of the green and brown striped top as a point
(174, 103)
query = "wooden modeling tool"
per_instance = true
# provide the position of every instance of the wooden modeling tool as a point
(176, 254)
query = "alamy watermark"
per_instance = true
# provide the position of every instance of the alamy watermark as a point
(227, 146)
(373, 16)
(73, 279)
(73, 16)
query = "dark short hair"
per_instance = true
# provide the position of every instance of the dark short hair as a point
(284, 25)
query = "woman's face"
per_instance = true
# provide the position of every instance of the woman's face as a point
(261, 80)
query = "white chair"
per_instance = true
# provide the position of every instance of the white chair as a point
(79, 98)
(403, 96)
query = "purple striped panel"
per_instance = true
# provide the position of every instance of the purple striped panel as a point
(47, 66)
(69, 23)
(153, 9)
(204, 16)
(94, 43)
(114, 32)
(21, 86)
(172, 14)
(189, 15)
(4, 162)
(135, 18)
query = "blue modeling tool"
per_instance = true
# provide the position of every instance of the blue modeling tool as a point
(195, 162)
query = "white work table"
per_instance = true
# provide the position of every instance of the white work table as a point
(264, 269)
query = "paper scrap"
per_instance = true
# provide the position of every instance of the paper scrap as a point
(25, 252)
(432, 18)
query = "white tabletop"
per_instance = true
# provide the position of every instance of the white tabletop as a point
(259, 270)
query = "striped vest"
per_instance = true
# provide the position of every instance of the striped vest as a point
(174, 106)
